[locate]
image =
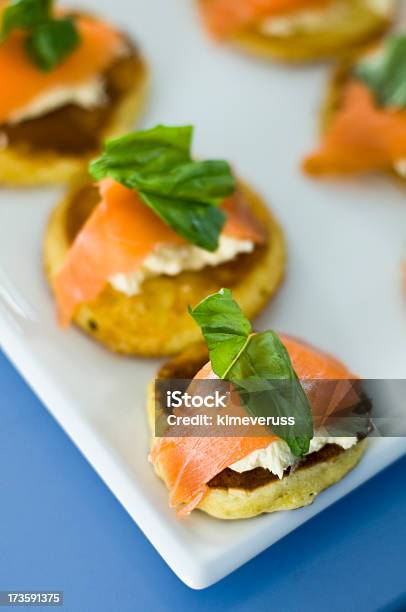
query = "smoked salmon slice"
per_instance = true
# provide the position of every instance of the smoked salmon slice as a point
(362, 137)
(240, 223)
(116, 238)
(310, 363)
(224, 17)
(187, 464)
(22, 81)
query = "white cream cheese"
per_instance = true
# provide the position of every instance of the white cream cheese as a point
(319, 19)
(384, 8)
(308, 20)
(89, 94)
(277, 457)
(172, 260)
(400, 167)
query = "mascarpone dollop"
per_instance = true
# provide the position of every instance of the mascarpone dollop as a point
(277, 457)
(172, 260)
(400, 167)
(319, 19)
(90, 94)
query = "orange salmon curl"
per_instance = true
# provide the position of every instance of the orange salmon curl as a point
(362, 137)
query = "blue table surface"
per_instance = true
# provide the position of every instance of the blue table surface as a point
(62, 529)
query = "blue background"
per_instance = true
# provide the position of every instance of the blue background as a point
(61, 529)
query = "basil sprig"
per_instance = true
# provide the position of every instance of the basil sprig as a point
(184, 193)
(259, 367)
(48, 40)
(384, 72)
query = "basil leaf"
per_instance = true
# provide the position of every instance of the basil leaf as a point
(268, 385)
(224, 327)
(197, 222)
(209, 180)
(153, 151)
(24, 15)
(48, 41)
(52, 42)
(184, 193)
(384, 72)
(259, 367)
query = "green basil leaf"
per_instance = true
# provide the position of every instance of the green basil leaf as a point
(259, 367)
(268, 385)
(205, 181)
(198, 222)
(48, 41)
(224, 327)
(184, 193)
(25, 15)
(384, 72)
(51, 42)
(149, 152)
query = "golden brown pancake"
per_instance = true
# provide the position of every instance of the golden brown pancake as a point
(234, 495)
(360, 26)
(156, 321)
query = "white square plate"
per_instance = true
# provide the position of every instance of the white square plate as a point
(343, 289)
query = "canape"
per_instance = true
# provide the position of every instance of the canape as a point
(363, 119)
(296, 30)
(156, 232)
(240, 476)
(69, 81)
